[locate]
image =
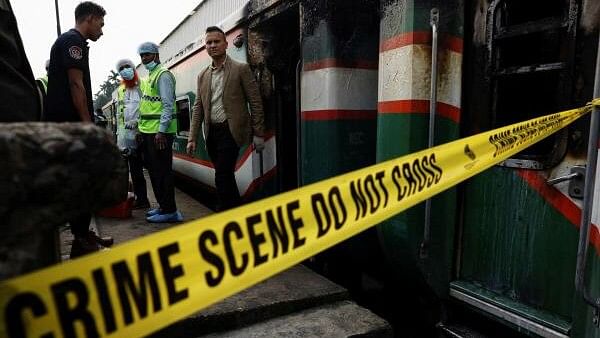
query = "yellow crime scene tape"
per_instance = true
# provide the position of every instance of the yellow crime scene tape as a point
(144, 285)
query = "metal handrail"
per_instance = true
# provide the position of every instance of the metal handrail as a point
(298, 124)
(434, 21)
(588, 198)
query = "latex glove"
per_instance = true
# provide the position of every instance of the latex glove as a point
(191, 147)
(131, 125)
(259, 143)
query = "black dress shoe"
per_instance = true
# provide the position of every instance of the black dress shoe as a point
(105, 241)
(83, 246)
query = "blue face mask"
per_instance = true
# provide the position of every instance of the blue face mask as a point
(127, 73)
(150, 65)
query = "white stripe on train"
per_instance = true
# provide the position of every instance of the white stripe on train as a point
(248, 171)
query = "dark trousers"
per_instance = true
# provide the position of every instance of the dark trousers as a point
(223, 152)
(160, 168)
(80, 225)
(136, 169)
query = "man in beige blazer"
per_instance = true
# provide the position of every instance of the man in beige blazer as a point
(224, 91)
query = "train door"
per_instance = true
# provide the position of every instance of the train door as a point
(519, 237)
(274, 53)
(183, 106)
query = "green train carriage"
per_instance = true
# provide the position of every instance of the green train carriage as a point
(348, 83)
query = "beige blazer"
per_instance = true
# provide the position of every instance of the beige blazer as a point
(239, 90)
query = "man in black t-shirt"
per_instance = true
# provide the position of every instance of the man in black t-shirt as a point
(69, 87)
(69, 97)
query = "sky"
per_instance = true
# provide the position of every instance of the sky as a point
(127, 24)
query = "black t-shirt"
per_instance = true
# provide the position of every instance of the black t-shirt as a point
(69, 51)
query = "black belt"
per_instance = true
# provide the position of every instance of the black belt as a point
(219, 124)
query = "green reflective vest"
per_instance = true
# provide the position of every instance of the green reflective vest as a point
(44, 81)
(151, 104)
(121, 106)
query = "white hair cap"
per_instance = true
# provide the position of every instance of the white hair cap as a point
(123, 62)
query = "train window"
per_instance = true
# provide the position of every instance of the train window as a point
(183, 115)
(530, 56)
(518, 11)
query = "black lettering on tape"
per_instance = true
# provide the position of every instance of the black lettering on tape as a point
(171, 273)
(256, 239)
(295, 223)
(108, 314)
(69, 315)
(379, 176)
(438, 171)
(419, 174)
(234, 228)
(126, 286)
(338, 209)
(374, 200)
(396, 178)
(277, 232)
(359, 198)
(428, 172)
(14, 310)
(408, 176)
(319, 208)
(211, 258)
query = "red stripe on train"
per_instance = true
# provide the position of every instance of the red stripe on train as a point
(338, 114)
(448, 42)
(338, 63)
(260, 181)
(240, 162)
(418, 107)
(559, 202)
(189, 158)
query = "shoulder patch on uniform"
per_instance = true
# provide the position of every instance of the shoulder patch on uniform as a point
(75, 52)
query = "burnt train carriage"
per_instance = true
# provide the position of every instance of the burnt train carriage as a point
(348, 83)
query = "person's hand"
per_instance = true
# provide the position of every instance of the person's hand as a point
(131, 125)
(191, 147)
(160, 141)
(259, 143)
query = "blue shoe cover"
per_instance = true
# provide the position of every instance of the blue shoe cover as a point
(152, 212)
(166, 218)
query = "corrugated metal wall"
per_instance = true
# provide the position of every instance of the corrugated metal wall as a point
(207, 13)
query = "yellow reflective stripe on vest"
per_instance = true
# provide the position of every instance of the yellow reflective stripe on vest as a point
(121, 105)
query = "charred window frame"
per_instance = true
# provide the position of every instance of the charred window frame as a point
(183, 104)
(530, 52)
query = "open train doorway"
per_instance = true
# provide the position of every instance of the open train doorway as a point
(518, 241)
(274, 54)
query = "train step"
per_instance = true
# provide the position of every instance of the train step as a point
(458, 331)
(294, 303)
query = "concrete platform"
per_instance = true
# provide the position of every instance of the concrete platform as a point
(294, 303)
(125, 229)
(340, 319)
(293, 290)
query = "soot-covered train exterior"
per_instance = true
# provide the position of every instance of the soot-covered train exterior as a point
(347, 83)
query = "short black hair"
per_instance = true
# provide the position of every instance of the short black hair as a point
(216, 29)
(87, 8)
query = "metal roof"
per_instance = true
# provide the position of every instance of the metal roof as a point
(192, 27)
